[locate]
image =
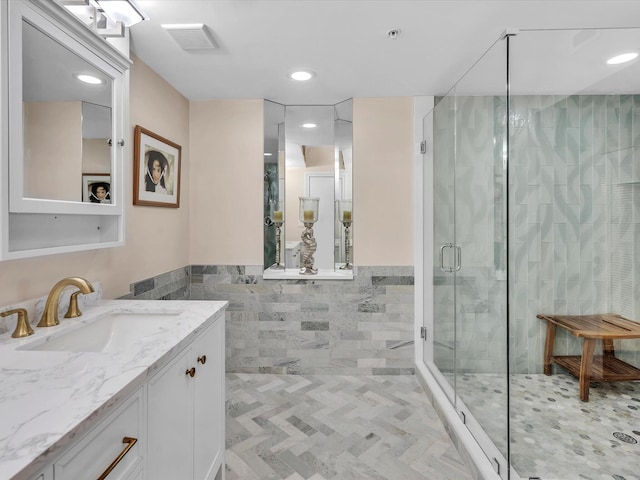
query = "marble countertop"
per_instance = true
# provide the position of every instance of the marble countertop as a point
(49, 399)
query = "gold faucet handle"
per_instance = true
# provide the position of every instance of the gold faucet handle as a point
(23, 327)
(74, 310)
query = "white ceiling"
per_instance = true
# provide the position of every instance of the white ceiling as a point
(345, 43)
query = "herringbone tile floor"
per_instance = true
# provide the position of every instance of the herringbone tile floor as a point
(297, 427)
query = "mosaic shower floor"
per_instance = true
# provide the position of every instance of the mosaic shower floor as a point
(555, 436)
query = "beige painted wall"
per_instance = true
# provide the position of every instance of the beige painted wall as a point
(220, 220)
(226, 192)
(226, 189)
(96, 155)
(157, 238)
(383, 181)
(53, 163)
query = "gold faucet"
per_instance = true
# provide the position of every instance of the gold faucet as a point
(23, 328)
(50, 314)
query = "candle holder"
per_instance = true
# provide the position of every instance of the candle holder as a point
(345, 215)
(308, 216)
(277, 217)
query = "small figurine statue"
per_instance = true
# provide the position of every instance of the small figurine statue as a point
(309, 246)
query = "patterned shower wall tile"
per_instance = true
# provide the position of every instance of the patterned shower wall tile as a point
(573, 185)
(546, 264)
(573, 110)
(546, 223)
(586, 120)
(546, 184)
(547, 292)
(560, 204)
(599, 109)
(559, 116)
(560, 244)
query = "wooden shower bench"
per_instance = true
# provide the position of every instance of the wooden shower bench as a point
(606, 368)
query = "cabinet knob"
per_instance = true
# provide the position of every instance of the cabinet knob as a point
(191, 372)
(202, 359)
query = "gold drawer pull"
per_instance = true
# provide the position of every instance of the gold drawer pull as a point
(191, 372)
(130, 443)
(202, 359)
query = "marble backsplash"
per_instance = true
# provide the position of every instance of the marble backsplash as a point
(35, 307)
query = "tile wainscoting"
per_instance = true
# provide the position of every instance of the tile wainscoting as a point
(173, 285)
(307, 326)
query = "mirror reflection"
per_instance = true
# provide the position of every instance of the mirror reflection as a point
(308, 153)
(67, 121)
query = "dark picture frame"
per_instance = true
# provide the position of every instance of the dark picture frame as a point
(156, 170)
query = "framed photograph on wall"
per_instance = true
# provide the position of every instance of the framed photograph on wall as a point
(96, 187)
(156, 170)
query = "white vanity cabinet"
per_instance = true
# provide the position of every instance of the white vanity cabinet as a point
(120, 436)
(186, 412)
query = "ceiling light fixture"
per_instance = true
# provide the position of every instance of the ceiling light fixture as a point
(125, 11)
(108, 18)
(308, 125)
(90, 79)
(625, 57)
(267, 154)
(302, 75)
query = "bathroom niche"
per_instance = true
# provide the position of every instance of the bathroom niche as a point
(308, 151)
(58, 131)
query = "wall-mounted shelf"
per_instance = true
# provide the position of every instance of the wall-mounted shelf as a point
(292, 274)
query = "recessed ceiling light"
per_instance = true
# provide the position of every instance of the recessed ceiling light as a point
(625, 57)
(308, 125)
(267, 154)
(302, 75)
(88, 79)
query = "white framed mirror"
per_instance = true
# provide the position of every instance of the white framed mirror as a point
(61, 129)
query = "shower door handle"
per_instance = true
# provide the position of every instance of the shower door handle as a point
(442, 267)
(457, 259)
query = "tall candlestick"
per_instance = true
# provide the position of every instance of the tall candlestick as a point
(345, 215)
(308, 216)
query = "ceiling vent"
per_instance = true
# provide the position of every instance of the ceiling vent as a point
(191, 36)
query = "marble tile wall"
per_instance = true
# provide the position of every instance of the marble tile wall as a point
(361, 326)
(173, 285)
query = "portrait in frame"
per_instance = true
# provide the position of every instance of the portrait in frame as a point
(156, 170)
(96, 187)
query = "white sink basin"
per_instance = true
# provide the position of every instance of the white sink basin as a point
(112, 332)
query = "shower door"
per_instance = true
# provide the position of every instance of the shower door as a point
(468, 131)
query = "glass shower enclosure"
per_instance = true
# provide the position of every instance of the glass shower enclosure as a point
(534, 158)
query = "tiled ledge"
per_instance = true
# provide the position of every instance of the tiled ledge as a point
(294, 274)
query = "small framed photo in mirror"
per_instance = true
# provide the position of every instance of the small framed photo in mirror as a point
(96, 187)
(156, 170)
